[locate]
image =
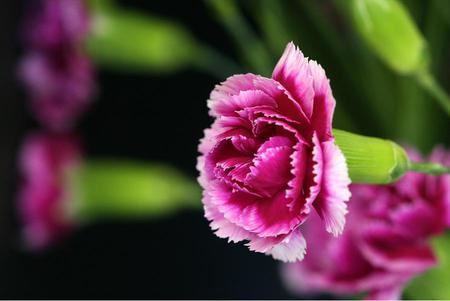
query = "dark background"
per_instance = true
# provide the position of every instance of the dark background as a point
(135, 116)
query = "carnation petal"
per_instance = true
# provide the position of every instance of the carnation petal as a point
(385, 247)
(315, 177)
(298, 164)
(268, 126)
(236, 93)
(270, 170)
(264, 217)
(245, 99)
(292, 71)
(388, 293)
(222, 227)
(331, 202)
(291, 249)
(286, 103)
(264, 244)
(418, 219)
(324, 101)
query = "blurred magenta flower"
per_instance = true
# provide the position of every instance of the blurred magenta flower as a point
(45, 163)
(61, 190)
(269, 158)
(386, 240)
(56, 71)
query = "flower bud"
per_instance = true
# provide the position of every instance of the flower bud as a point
(129, 40)
(387, 28)
(120, 189)
(372, 160)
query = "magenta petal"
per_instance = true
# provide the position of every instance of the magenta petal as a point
(264, 217)
(264, 244)
(298, 164)
(287, 248)
(317, 171)
(292, 71)
(245, 99)
(264, 125)
(331, 202)
(324, 102)
(286, 103)
(221, 100)
(222, 227)
(387, 248)
(291, 249)
(389, 293)
(270, 170)
(417, 219)
(244, 144)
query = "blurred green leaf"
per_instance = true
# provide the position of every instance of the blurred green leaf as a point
(123, 189)
(434, 284)
(130, 40)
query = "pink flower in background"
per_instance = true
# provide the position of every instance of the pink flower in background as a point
(58, 75)
(45, 162)
(55, 24)
(385, 242)
(269, 159)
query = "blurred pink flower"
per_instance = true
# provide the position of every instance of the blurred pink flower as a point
(385, 242)
(57, 73)
(269, 158)
(45, 162)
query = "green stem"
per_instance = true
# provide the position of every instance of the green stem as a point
(429, 168)
(272, 18)
(215, 63)
(429, 83)
(252, 48)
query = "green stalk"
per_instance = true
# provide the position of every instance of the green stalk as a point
(429, 168)
(418, 110)
(413, 126)
(215, 63)
(429, 84)
(368, 75)
(272, 18)
(250, 46)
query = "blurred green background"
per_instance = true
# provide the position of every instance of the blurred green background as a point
(157, 62)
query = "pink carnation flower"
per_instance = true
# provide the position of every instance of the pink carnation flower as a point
(385, 242)
(58, 75)
(45, 162)
(269, 158)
